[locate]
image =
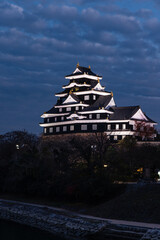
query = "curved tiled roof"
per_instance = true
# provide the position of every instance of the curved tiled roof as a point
(126, 113)
(83, 70)
(102, 101)
(53, 110)
(123, 113)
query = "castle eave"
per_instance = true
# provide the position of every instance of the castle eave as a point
(83, 76)
(80, 121)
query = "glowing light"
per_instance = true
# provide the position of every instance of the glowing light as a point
(17, 146)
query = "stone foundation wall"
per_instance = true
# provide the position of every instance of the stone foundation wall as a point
(63, 224)
(67, 136)
(73, 226)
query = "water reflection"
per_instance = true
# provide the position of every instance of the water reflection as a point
(14, 231)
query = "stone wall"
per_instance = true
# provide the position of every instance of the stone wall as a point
(74, 226)
(61, 223)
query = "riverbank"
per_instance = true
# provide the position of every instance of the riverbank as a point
(71, 225)
(140, 203)
(57, 221)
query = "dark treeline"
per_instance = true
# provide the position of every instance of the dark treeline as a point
(73, 168)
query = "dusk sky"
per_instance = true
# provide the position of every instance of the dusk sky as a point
(41, 41)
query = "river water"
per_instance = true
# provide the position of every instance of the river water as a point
(15, 231)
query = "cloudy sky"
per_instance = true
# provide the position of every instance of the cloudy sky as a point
(41, 41)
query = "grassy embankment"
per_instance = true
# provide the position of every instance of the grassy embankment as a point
(138, 203)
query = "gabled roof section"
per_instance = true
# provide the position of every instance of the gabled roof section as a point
(82, 70)
(111, 104)
(123, 113)
(98, 86)
(72, 98)
(139, 115)
(74, 84)
(76, 116)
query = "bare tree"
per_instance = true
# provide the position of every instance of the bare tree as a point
(144, 130)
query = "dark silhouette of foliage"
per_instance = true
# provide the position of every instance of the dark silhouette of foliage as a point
(74, 168)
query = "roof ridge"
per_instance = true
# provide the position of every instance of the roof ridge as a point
(127, 107)
(83, 67)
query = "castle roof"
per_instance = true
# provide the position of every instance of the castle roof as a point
(52, 110)
(82, 70)
(101, 102)
(123, 113)
(126, 113)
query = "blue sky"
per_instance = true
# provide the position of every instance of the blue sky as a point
(42, 41)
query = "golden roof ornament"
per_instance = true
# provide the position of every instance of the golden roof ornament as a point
(70, 92)
(77, 64)
(98, 80)
(112, 94)
(76, 89)
(89, 67)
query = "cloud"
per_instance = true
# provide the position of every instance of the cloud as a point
(41, 42)
(57, 12)
(117, 23)
(144, 13)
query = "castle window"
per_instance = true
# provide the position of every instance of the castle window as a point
(98, 116)
(77, 108)
(94, 127)
(90, 116)
(109, 127)
(123, 126)
(64, 128)
(117, 126)
(55, 119)
(48, 120)
(115, 138)
(84, 127)
(72, 128)
(68, 109)
(51, 130)
(57, 129)
(86, 97)
(45, 130)
(60, 109)
(123, 137)
(82, 108)
(62, 118)
(94, 97)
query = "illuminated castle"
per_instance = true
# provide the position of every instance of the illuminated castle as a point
(85, 107)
